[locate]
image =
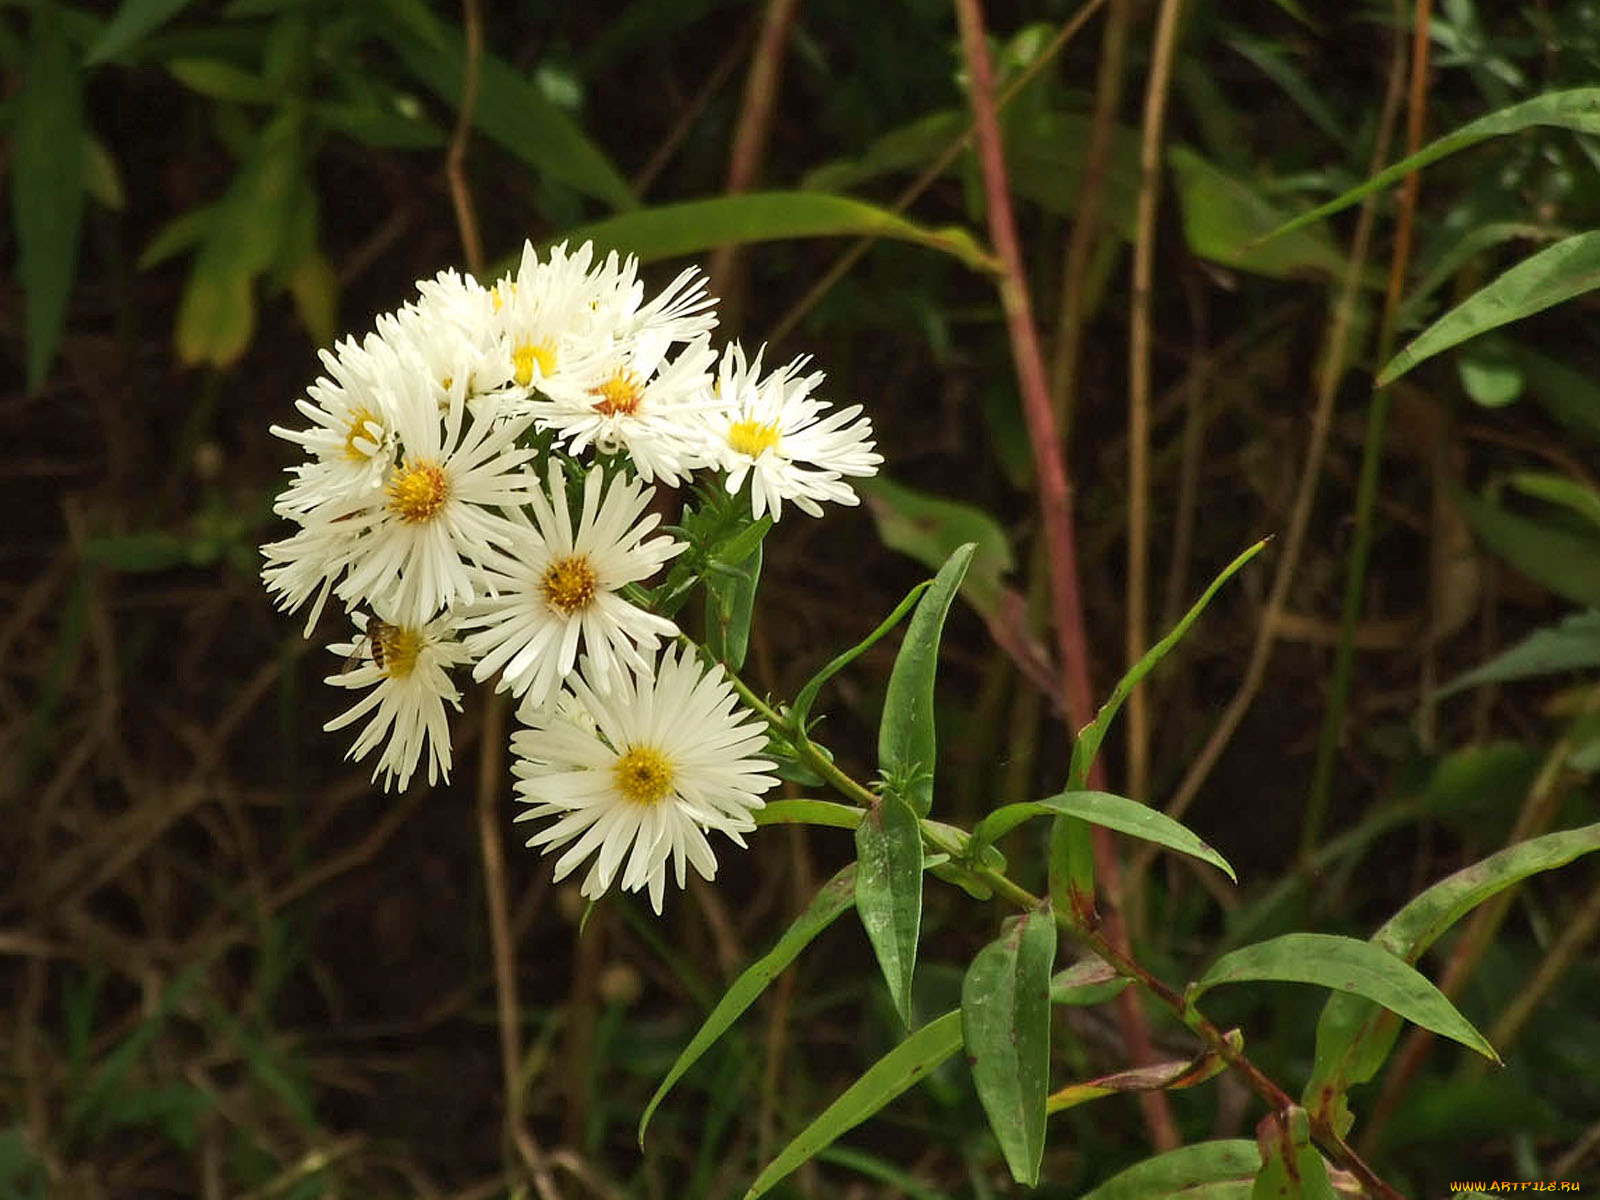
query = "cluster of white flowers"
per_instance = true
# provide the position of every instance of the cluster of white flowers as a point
(434, 503)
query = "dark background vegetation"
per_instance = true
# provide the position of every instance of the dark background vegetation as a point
(231, 967)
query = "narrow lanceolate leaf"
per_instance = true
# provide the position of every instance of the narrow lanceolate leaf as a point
(809, 812)
(135, 20)
(1291, 1168)
(1158, 1077)
(1005, 1022)
(1090, 980)
(836, 896)
(47, 186)
(1577, 109)
(1354, 1036)
(1569, 268)
(1090, 737)
(1565, 558)
(1213, 1170)
(730, 599)
(891, 1075)
(1347, 965)
(807, 696)
(1102, 808)
(694, 226)
(889, 893)
(907, 748)
(1571, 645)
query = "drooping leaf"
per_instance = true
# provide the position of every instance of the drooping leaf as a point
(1291, 1168)
(1571, 645)
(135, 21)
(1005, 1023)
(47, 186)
(1102, 808)
(888, 890)
(1354, 1036)
(907, 148)
(1572, 495)
(1569, 268)
(1461, 251)
(1220, 1170)
(807, 695)
(511, 109)
(835, 897)
(694, 226)
(1577, 109)
(929, 528)
(1091, 736)
(884, 1080)
(1347, 965)
(1566, 560)
(907, 747)
(1157, 1077)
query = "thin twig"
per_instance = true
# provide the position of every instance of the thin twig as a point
(752, 134)
(670, 144)
(1372, 451)
(1157, 89)
(1334, 361)
(1086, 213)
(455, 160)
(1055, 502)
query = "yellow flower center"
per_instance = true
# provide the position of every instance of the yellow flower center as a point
(643, 775)
(418, 491)
(359, 431)
(394, 648)
(619, 394)
(526, 356)
(569, 584)
(752, 437)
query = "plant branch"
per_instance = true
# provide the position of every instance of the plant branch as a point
(455, 161)
(1055, 503)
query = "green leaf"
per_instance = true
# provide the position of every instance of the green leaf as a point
(1571, 397)
(1102, 808)
(1569, 268)
(809, 812)
(511, 110)
(889, 892)
(835, 896)
(1560, 489)
(90, 1101)
(135, 21)
(1572, 645)
(1224, 219)
(1567, 561)
(1354, 1036)
(1462, 250)
(807, 696)
(314, 284)
(223, 81)
(930, 528)
(694, 226)
(884, 1080)
(907, 148)
(1290, 1164)
(1155, 1077)
(1347, 965)
(1005, 1023)
(730, 599)
(47, 187)
(1090, 737)
(907, 746)
(1578, 109)
(1489, 372)
(1209, 1170)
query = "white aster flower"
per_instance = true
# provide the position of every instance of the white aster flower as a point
(557, 587)
(405, 667)
(547, 316)
(640, 402)
(351, 440)
(790, 445)
(680, 312)
(671, 757)
(422, 543)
